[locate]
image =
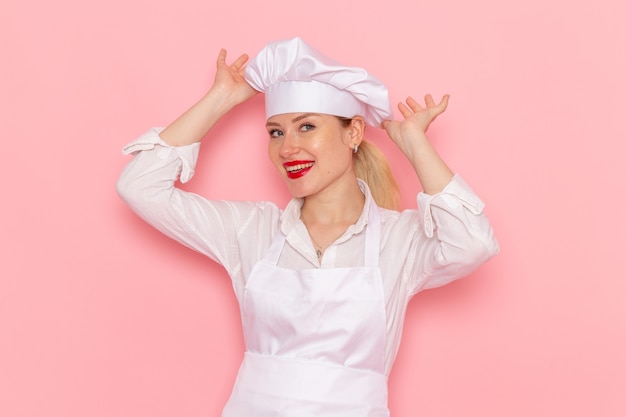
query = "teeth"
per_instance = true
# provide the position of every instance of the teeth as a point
(298, 167)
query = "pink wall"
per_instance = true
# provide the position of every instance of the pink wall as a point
(102, 316)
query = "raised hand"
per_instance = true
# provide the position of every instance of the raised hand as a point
(230, 81)
(410, 136)
(229, 89)
(417, 118)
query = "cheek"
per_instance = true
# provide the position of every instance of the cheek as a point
(273, 153)
(338, 160)
(272, 150)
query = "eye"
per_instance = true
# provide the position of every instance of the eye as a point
(306, 127)
(274, 133)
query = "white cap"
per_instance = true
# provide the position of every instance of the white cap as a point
(297, 78)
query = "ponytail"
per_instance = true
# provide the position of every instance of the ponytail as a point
(371, 165)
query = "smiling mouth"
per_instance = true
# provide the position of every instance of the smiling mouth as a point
(297, 169)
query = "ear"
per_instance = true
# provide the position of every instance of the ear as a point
(356, 130)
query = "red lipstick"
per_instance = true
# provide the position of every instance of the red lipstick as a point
(296, 169)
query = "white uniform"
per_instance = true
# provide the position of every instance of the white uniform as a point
(320, 338)
(315, 339)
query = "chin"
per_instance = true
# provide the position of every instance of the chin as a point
(296, 191)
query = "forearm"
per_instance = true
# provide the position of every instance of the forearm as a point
(432, 172)
(229, 89)
(410, 136)
(196, 122)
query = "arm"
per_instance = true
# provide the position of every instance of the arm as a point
(161, 157)
(229, 89)
(410, 136)
(447, 210)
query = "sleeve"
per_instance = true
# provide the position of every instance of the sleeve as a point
(147, 185)
(456, 232)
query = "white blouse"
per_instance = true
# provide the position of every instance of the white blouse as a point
(446, 238)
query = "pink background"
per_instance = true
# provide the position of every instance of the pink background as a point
(102, 316)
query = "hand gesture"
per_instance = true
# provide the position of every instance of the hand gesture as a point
(416, 120)
(229, 89)
(230, 81)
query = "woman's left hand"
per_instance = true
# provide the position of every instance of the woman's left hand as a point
(410, 136)
(417, 118)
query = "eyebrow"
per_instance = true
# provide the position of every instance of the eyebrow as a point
(295, 119)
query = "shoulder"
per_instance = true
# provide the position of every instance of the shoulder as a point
(404, 218)
(400, 229)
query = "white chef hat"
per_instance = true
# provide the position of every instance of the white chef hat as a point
(296, 78)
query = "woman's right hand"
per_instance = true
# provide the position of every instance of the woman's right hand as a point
(229, 89)
(230, 81)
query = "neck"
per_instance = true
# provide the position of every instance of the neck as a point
(328, 215)
(334, 208)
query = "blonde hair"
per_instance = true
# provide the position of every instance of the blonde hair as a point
(371, 165)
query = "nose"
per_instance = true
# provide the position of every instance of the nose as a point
(289, 145)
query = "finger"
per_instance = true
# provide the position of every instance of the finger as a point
(428, 99)
(443, 104)
(413, 104)
(221, 57)
(238, 63)
(404, 110)
(445, 100)
(390, 126)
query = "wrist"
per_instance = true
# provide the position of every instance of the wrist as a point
(219, 101)
(414, 145)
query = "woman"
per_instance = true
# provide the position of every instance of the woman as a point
(323, 285)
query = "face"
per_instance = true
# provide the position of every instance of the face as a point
(312, 152)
